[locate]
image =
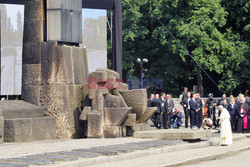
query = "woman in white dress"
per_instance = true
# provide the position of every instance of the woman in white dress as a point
(226, 137)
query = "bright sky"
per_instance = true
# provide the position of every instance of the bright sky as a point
(12, 11)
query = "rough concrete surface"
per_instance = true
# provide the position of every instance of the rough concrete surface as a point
(137, 99)
(1, 128)
(29, 129)
(115, 116)
(173, 134)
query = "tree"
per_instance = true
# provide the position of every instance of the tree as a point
(201, 26)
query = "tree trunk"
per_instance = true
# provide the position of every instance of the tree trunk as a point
(200, 83)
(186, 80)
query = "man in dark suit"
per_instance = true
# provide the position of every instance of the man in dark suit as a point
(157, 103)
(162, 116)
(151, 100)
(186, 107)
(184, 93)
(232, 109)
(172, 101)
(200, 106)
(220, 101)
(168, 108)
(194, 108)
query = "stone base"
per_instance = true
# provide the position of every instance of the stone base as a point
(1, 129)
(95, 125)
(173, 134)
(142, 127)
(114, 131)
(29, 129)
(20, 109)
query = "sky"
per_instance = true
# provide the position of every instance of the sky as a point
(12, 11)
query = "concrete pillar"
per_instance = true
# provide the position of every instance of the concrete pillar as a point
(53, 75)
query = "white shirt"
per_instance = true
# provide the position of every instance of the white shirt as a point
(188, 103)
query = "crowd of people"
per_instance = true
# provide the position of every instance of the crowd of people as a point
(199, 113)
(165, 116)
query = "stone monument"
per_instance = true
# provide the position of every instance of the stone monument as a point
(112, 108)
(55, 76)
(54, 67)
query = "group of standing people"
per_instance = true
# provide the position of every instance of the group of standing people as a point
(166, 115)
(192, 108)
(238, 110)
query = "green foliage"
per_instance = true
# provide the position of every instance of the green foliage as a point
(206, 28)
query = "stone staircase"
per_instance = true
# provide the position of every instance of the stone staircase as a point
(24, 122)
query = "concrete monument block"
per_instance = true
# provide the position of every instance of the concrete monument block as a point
(56, 64)
(147, 115)
(137, 99)
(1, 128)
(67, 27)
(123, 86)
(114, 131)
(34, 10)
(129, 120)
(80, 65)
(110, 73)
(33, 32)
(115, 116)
(29, 129)
(32, 53)
(95, 125)
(96, 92)
(173, 134)
(86, 110)
(123, 102)
(31, 94)
(64, 103)
(99, 76)
(113, 101)
(85, 95)
(97, 102)
(31, 74)
(20, 109)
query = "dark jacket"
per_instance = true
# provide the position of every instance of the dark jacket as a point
(233, 110)
(150, 103)
(185, 102)
(220, 101)
(157, 103)
(199, 102)
(193, 106)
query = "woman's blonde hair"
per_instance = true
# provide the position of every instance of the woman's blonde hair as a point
(232, 101)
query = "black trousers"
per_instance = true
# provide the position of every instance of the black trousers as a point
(187, 115)
(199, 119)
(158, 121)
(166, 121)
(192, 120)
(233, 123)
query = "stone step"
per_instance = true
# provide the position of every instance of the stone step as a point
(20, 109)
(29, 129)
(52, 157)
(25, 161)
(173, 134)
(12, 165)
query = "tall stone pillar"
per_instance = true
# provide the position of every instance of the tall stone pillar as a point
(54, 71)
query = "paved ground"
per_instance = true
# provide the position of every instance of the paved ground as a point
(168, 159)
(241, 159)
(21, 149)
